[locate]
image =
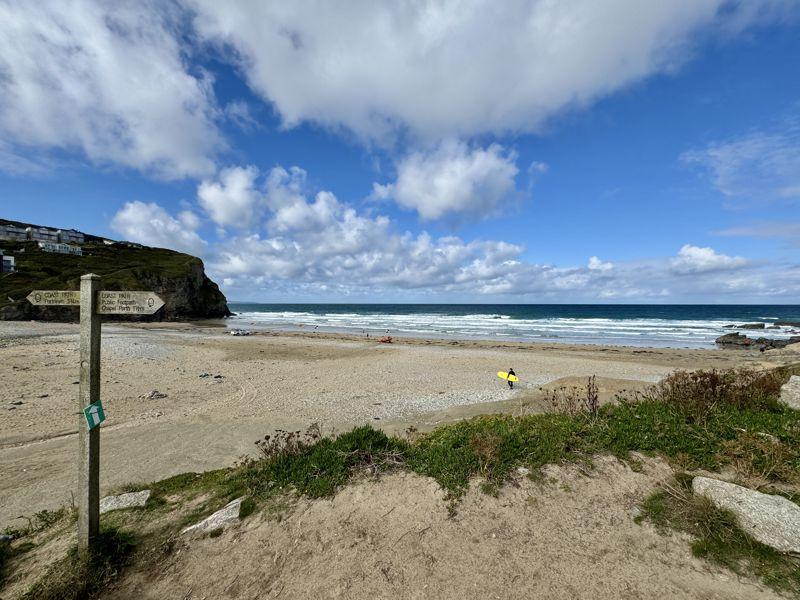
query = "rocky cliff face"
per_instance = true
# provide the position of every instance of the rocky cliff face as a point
(178, 278)
(190, 297)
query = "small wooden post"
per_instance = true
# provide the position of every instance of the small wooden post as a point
(89, 459)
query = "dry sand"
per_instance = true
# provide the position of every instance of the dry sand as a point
(268, 381)
(572, 537)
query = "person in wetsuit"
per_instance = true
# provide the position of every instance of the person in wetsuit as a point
(511, 383)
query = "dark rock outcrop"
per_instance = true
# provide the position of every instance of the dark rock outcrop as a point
(737, 340)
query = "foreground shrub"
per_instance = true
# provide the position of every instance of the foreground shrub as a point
(318, 466)
(707, 419)
(288, 443)
(42, 520)
(696, 394)
(574, 400)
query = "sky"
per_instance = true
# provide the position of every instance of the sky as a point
(525, 151)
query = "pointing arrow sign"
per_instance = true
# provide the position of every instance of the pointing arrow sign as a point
(110, 303)
(54, 298)
(129, 303)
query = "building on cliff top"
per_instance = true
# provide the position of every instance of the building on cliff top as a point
(13, 233)
(70, 236)
(60, 248)
(41, 234)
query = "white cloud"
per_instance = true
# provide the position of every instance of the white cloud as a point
(318, 246)
(232, 200)
(320, 239)
(314, 245)
(151, 225)
(595, 264)
(694, 259)
(456, 69)
(115, 82)
(105, 79)
(453, 179)
(763, 164)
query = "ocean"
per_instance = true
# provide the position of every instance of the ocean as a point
(672, 325)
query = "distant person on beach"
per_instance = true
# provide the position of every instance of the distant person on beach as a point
(511, 383)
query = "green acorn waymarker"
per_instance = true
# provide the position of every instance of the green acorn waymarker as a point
(94, 414)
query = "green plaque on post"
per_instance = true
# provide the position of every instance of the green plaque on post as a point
(94, 414)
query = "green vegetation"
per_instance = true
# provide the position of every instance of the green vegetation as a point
(705, 420)
(82, 575)
(322, 465)
(718, 538)
(42, 520)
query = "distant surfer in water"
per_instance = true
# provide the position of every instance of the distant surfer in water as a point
(511, 383)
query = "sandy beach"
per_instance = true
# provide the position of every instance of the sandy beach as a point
(222, 393)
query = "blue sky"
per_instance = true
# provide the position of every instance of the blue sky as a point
(525, 151)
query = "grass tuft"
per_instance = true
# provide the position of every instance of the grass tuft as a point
(247, 508)
(41, 521)
(82, 575)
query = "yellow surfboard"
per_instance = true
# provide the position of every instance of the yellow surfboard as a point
(506, 376)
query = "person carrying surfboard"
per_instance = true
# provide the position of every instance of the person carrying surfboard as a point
(511, 383)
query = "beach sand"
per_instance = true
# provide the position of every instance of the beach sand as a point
(569, 537)
(260, 383)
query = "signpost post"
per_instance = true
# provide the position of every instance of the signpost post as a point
(93, 303)
(89, 393)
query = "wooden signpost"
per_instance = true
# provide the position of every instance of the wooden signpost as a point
(93, 302)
